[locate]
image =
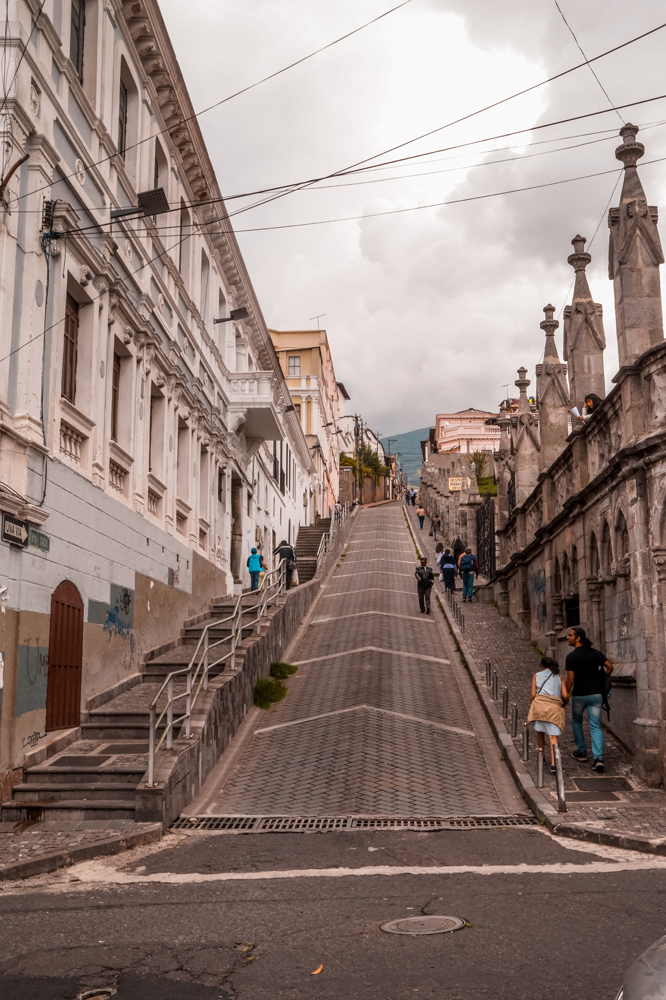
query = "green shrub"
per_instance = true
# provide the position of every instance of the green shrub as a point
(268, 690)
(282, 670)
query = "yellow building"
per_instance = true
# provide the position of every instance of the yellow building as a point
(305, 358)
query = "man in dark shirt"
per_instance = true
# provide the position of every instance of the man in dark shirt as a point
(586, 669)
(424, 580)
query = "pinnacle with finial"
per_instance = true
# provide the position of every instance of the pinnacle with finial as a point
(579, 259)
(549, 326)
(630, 151)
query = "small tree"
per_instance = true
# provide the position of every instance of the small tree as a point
(480, 462)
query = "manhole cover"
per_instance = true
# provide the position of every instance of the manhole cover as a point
(423, 925)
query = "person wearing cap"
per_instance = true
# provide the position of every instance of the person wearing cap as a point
(424, 581)
(254, 566)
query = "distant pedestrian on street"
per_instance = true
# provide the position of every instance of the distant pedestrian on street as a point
(408, 497)
(467, 567)
(424, 581)
(254, 566)
(547, 701)
(286, 554)
(447, 568)
(436, 525)
(421, 516)
(587, 681)
(458, 549)
(413, 498)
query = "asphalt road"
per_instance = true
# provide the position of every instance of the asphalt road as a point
(221, 917)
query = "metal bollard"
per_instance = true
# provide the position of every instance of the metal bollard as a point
(526, 743)
(488, 673)
(495, 687)
(559, 774)
(514, 721)
(505, 703)
(540, 770)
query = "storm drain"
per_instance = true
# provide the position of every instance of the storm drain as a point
(323, 824)
(423, 925)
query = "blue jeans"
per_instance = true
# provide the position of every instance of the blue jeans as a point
(254, 580)
(468, 584)
(591, 702)
(421, 520)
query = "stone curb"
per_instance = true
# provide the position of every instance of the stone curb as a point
(534, 798)
(44, 863)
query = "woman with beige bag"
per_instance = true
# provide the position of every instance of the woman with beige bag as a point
(549, 696)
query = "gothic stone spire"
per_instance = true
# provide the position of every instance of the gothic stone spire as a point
(553, 396)
(584, 338)
(634, 259)
(525, 442)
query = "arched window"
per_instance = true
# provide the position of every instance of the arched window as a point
(128, 119)
(557, 586)
(594, 556)
(574, 566)
(606, 549)
(566, 574)
(621, 536)
(184, 232)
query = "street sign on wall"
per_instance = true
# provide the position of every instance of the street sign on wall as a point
(39, 540)
(15, 531)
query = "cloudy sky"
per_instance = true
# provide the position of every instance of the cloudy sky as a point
(431, 309)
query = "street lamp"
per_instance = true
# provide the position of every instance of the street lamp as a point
(241, 313)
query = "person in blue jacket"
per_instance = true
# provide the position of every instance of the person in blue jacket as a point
(254, 566)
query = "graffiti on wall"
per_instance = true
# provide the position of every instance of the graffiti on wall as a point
(116, 617)
(31, 678)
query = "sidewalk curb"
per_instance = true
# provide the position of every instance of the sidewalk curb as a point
(45, 863)
(534, 798)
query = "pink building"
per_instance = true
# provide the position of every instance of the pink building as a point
(467, 431)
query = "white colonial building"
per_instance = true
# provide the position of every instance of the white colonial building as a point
(145, 446)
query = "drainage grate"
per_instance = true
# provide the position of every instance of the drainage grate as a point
(323, 824)
(423, 925)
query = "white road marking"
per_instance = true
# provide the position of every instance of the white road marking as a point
(366, 590)
(98, 872)
(361, 614)
(365, 572)
(374, 649)
(370, 708)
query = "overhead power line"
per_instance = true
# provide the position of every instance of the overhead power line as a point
(471, 114)
(592, 70)
(243, 90)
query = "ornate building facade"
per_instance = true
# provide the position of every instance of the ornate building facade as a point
(582, 536)
(147, 440)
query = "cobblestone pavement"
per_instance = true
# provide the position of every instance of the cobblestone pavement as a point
(593, 801)
(378, 721)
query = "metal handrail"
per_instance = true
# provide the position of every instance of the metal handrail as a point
(196, 672)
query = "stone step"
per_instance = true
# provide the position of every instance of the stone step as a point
(34, 794)
(129, 776)
(128, 717)
(69, 810)
(100, 731)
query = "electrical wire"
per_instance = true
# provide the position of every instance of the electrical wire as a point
(467, 117)
(592, 71)
(230, 97)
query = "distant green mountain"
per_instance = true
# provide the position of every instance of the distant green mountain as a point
(408, 446)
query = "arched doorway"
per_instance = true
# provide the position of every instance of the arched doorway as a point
(63, 690)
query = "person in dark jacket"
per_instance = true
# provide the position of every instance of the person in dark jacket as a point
(424, 581)
(254, 566)
(586, 682)
(447, 566)
(286, 552)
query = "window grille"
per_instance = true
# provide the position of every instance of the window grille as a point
(122, 120)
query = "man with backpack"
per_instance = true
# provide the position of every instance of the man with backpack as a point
(424, 581)
(286, 553)
(467, 567)
(588, 673)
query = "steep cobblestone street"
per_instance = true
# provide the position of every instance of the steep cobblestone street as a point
(380, 720)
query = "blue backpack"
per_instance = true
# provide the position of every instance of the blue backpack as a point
(466, 563)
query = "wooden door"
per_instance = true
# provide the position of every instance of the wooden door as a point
(63, 689)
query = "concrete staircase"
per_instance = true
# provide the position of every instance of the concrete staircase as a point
(96, 777)
(307, 547)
